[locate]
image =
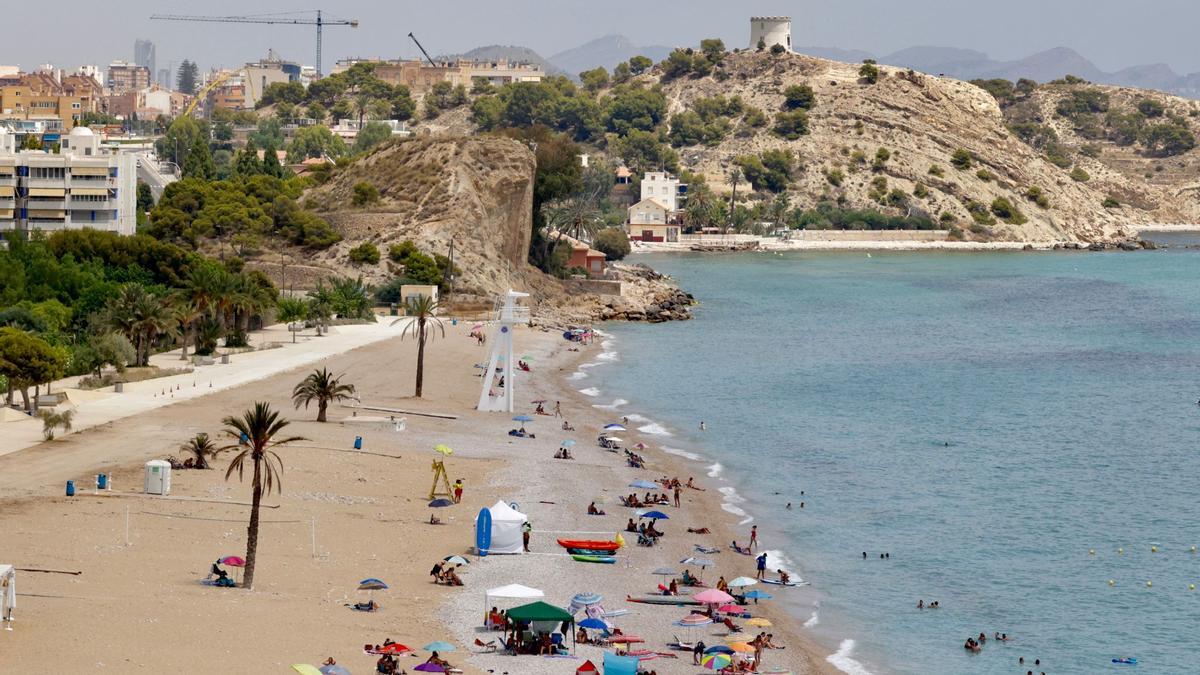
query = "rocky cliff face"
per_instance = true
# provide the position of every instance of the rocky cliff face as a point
(920, 120)
(477, 192)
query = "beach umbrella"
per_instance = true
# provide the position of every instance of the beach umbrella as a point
(713, 597)
(438, 646)
(758, 595)
(700, 562)
(694, 620)
(614, 427)
(456, 560)
(538, 401)
(730, 609)
(234, 561)
(759, 622)
(741, 647)
(740, 582)
(440, 502)
(643, 485)
(586, 598)
(334, 669)
(305, 669)
(522, 418)
(664, 572)
(371, 584)
(567, 443)
(444, 449)
(614, 439)
(626, 639)
(394, 648)
(430, 668)
(658, 515)
(716, 661)
(641, 446)
(597, 624)
(719, 649)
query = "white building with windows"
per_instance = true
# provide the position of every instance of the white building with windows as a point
(665, 189)
(83, 185)
(771, 31)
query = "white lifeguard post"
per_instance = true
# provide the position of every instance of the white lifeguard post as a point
(510, 315)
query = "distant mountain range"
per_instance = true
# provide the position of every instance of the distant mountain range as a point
(964, 64)
(607, 51)
(1052, 64)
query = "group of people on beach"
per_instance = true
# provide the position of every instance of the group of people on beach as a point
(445, 574)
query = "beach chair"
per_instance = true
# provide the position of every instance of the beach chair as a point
(489, 646)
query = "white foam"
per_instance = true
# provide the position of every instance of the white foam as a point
(682, 453)
(608, 356)
(617, 403)
(715, 469)
(842, 661)
(814, 619)
(590, 391)
(654, 429)
(778, 560)
(634, 417)
(577, 375)
(732, 499)
(590, 364)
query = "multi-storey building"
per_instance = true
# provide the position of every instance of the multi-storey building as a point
(420, 76)
(83, 185)
(124, 77)
(143, 55)
(665, 189)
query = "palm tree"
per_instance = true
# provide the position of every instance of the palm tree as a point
(186, 313)
(260, 427)
(201, 447)
(322, 387)
(421, 312)
(138, 315)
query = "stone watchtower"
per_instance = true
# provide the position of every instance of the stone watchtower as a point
(772, 30)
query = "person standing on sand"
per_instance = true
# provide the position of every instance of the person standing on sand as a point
(753, 537)
(677, 491)
(762, 566)
(526, 530)
(458, 488)
(557, 409)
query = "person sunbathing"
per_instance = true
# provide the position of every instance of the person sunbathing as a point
(593, 511)
(631, 526)
(451, 577)
(541, 410)
(688, 579)
(699, 530)
(368, 606)
(733, 628)
(739, 549)
(438, 661)
(567, 426)
(673, 589)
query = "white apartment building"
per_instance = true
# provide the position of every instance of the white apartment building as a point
(664, 188)
(83, 185)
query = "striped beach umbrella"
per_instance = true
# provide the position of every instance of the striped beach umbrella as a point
(716, 661)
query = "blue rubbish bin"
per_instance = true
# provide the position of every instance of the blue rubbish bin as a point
(70, 488)
(101, 481)
(358, 442)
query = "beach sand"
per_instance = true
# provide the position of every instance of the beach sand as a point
(141, 607)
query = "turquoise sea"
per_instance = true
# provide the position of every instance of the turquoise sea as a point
(986, 419)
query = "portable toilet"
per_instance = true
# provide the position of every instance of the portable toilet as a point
(158, 477)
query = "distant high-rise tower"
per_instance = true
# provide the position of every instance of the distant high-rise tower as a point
(771, 31)
(164, 78)
(143, 54)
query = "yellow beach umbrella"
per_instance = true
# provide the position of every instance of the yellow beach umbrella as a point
(305, 669)
(758, 621)
(444, 449)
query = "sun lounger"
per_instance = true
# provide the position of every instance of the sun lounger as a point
(489, 646)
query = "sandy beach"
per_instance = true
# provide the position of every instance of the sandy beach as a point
(343, 516)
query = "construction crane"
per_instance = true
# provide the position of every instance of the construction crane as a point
(203, 93)
(281, 18)
(414, 39)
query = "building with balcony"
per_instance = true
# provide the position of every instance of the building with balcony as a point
(665, 189)
(83, 185)
(420, 76)
(268, 71)
(124, 76)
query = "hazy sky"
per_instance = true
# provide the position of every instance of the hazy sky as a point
(1112, 33)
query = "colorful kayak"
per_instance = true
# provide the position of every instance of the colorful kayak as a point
(587, 551)
(1126, 661)
(775, 582)
(602, 559)
(608, 546)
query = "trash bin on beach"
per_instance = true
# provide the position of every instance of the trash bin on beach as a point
(358, 442)
(101, 481)
(158, 477)
(70, 488)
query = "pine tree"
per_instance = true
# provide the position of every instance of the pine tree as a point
(247, 161)
(271, 165)
(199, 162)
(188, 77)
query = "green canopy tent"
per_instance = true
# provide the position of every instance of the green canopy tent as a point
(541, 611)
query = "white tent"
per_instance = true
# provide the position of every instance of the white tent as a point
(8, 592)
(510, 592)
(506, 529)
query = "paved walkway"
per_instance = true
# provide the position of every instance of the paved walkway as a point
(101, 406)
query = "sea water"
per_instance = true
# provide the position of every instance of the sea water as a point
(987, 419)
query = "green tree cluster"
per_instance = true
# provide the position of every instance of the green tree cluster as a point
(772, 170)
(707, 122)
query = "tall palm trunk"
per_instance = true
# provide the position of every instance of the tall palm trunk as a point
(187, 333)
(420, 354)
(252, 531)
(322, 404)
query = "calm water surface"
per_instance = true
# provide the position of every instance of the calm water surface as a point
(987, 419)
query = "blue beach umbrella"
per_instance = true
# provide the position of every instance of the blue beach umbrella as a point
(586, 598)
(567, 443)
(597, 624)
(643, 485)
(522, 418)
(440, 502)
(371, 584)
(659, 515)
(438, 646)
(615, 427)
(758, 595)
(719, 649)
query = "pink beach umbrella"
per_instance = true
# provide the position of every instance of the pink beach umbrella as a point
(712, 597)
(730, 609)
(233, 561)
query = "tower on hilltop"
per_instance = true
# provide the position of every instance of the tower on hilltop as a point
(771, 31)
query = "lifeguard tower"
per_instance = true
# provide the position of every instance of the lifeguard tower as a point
(501, 367)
